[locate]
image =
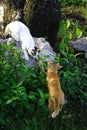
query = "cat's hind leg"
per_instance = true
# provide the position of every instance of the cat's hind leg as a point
(53, 106)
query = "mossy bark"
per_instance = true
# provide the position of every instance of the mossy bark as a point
(11, 7)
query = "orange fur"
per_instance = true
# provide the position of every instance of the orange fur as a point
(56, 100)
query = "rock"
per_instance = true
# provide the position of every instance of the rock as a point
(1, 41)
(45, 49)
(43, 45)
(80, 45)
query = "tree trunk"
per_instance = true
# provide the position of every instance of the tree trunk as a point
(43, 17)
(13, 9)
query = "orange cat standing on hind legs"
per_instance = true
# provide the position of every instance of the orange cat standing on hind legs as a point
(56, 99)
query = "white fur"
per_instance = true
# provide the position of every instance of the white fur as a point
(20, 32)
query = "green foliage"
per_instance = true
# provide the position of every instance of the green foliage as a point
(24, 94)
(23, 89)
(73, 76)
(69, 30)
(74, 2)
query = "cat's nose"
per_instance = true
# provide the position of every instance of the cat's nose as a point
(33, 53)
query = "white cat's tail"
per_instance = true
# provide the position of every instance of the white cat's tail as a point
(7, 32)
(7, 29)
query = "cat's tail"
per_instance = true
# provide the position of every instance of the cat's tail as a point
(53, 106)
(7, 29)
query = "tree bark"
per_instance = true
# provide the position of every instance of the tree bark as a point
(14, 9)
(43, 17)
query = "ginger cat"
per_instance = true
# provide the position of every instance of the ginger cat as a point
(56, 99)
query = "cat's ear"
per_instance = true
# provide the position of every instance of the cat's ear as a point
(50, 62)
(59, 66)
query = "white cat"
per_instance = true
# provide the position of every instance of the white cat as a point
(20, 32)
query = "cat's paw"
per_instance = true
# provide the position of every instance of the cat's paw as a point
(54, 114)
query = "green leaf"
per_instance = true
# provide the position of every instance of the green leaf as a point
(70, 36)
(67, 23)
(78, 32)
(32, 96)
(41, 102)
(40, 92)
(11, 100)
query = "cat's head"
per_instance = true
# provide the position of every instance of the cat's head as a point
(34, 52)
(59, 66)
(53, 67)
